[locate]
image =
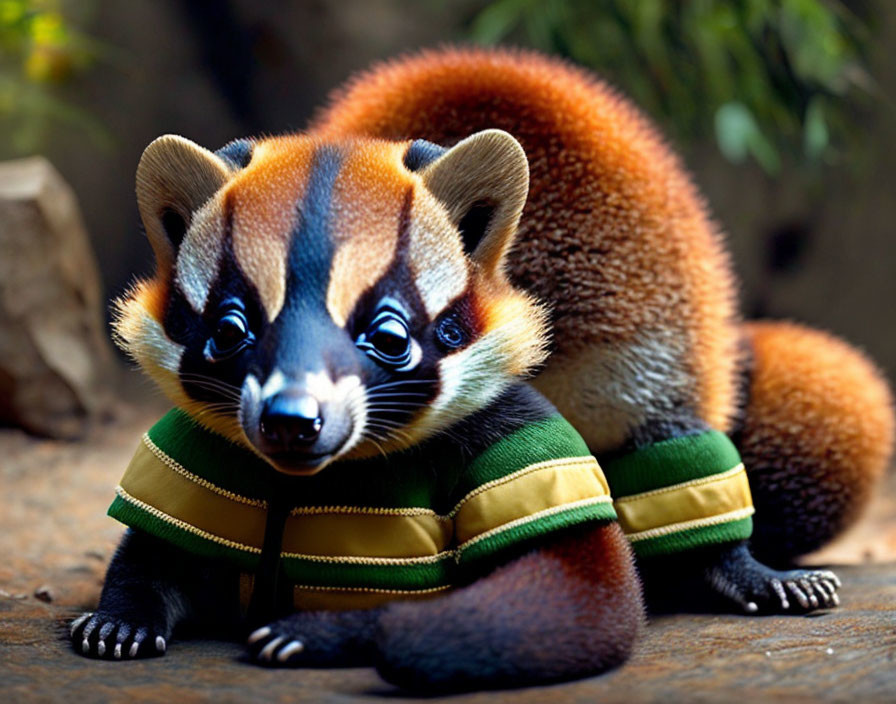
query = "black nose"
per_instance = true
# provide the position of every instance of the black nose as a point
(291, 418)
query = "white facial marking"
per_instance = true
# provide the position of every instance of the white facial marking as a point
(351, 391)
(415, 358)
(348, 391)
(470, 379)
(321, 386)
(437, 261)
(153, 345)
(276, 382)
(199, 255)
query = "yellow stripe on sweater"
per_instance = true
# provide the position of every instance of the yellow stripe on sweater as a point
(548, 485)
(686, 505)
(336, 534)
(357, 534)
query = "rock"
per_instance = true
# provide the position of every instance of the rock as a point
(53, 349)
(44, 593)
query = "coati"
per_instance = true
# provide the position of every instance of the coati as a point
(356, 468)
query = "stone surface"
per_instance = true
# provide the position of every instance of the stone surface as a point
(53, 350)
(53, 531)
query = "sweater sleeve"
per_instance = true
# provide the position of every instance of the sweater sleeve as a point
(539, 479)
(684, 493)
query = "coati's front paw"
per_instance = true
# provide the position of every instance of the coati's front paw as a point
(102, 635)
(316, 638)
(278, 644)
(756, 589)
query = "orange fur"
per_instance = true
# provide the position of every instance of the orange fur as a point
(614, 236)
(817, 435)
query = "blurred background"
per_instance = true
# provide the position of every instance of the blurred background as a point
(782, 109)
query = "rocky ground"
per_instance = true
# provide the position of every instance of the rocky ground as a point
(55, 541)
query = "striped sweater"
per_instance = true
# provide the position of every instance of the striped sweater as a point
(416, 523)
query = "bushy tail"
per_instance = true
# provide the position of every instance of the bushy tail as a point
(816, 435)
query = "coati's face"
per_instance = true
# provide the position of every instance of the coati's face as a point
(316, 300)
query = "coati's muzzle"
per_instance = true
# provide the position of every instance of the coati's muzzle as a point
(302, 424)
(302, 401)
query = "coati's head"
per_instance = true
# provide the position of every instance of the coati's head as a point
(317, 299)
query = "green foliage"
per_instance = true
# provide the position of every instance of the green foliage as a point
(773, 78)
(39, 53)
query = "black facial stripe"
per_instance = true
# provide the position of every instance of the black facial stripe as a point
(303, 328)
(311, 247)
(421, 154)
(203, 380)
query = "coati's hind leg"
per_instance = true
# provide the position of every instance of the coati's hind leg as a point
(679, 486)
(816, 435)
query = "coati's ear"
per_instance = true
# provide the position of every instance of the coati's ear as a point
(175, 177)
(483, 182)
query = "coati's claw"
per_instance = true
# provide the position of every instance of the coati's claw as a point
(78, 621)
(97, 635)
(268, 650)
(268, 646)
(778, 588)
(828, 591)
(292, 648)
(259, 633)
(801, 598)
(809, 588)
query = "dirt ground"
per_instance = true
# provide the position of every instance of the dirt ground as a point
(55, 541)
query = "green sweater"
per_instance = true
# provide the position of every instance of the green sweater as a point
(404, 525)
(413, 524)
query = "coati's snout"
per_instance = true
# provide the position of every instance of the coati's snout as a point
(290, 420)
(301, 423)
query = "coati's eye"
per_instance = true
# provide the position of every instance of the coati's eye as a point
(450, 333)
(232, 335)
(388, 341)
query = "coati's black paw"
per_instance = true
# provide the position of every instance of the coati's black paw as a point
(757, 589)
(277, 645)
(99, 635)
(316, 639)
